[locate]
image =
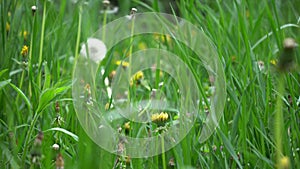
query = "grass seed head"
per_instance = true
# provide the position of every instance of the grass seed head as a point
(59, 162)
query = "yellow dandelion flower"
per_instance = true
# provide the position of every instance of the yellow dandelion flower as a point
(107, 106)
(273, 62)
(162, 38)
(24, 50)
(123, 63)
(127, 159)
(138, 76)
(7, 28)
(167, 38)
(87, 88)
(25, 34)
(127, 126)
(284, 163)
(159, 117)
(142, 46)
(161, 74)
(154, 117)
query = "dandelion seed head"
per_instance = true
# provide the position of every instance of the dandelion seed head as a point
(261, 65)
(55, 146)
(289, 43)
(33, 9)
(96, 50)
(133, 10)
(106, 2)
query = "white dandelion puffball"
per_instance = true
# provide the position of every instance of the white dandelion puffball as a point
(96, 50)
(55, 146)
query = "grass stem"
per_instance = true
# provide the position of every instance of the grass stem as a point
(279, 118)
(163, 153)
(41, 46)
(130, 52)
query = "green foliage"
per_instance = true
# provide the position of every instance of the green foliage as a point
(243, 32)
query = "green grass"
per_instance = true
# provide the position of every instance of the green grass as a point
(243, 33)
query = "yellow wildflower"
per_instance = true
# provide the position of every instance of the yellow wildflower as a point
(87, 87)
(127, 159)
(25, 34)
(106, 106)
(127, 126)
(273, 62)
(137, 77)
(142, 46)
(7, 28)
(159, 117)
(123, 63)
(284, 163)
(24, 50)
(162, 38)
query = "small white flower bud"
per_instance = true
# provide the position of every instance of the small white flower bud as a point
(55, 146)
(133, 10)
(33, 9)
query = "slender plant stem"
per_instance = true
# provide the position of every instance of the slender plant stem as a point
(163, 153)
(41, 46)
(30, 57)
(28, 136)
(130, 51)
(103, 25)
(78, 38)
(279, 117)
(18, 96)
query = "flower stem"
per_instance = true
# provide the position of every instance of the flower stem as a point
(30, 57)
(78, 38)
(41, 47)
(163, 153)
(20, 87)
(28, 136)
(130, 52)
(279, 118)
(103, 25)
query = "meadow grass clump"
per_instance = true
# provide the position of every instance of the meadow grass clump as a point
(41, 42)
